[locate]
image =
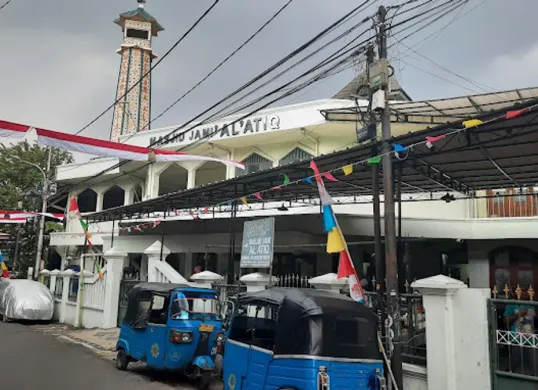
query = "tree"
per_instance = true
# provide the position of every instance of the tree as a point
(23, 183)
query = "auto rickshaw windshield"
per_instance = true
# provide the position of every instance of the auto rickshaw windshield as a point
(187, 308)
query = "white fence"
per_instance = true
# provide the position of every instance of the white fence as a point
(79, 300)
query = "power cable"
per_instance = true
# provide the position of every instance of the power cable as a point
(303, 47)
(4, 5)
(224, 61)
(174, 46)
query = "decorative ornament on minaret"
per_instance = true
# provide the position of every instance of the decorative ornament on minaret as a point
(133, 112)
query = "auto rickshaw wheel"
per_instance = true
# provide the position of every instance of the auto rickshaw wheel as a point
(206, 377)
(122, 360)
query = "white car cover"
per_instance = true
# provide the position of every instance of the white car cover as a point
(22, 299)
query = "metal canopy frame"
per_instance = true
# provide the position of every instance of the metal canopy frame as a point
(492, 156)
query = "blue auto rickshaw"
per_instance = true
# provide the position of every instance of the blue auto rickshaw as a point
(301, 339)
(172, 327)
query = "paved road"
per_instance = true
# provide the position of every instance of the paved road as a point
(32, 360)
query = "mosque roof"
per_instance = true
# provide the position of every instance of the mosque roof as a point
(142, 15)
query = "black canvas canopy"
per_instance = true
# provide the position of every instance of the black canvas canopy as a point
(319, 323)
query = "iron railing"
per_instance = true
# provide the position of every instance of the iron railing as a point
(413, 326)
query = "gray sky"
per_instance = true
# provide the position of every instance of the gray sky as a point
(59, 69)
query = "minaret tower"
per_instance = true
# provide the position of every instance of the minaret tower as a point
(132, 113)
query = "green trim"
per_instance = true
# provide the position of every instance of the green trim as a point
(126, 89)
(116, 106)
(140, 89)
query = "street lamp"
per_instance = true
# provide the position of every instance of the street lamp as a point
(43, 209)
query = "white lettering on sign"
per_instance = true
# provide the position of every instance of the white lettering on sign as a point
(224, 130)
(257, 250)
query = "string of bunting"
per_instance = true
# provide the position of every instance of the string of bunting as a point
(397, 150)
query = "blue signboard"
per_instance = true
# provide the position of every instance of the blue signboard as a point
(258, 243)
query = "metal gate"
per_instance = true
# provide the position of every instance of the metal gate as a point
(514, 355)
(126, 285)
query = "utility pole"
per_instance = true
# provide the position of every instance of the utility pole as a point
(378, 257)
(42, 220)
(17, 240)
(391, 263)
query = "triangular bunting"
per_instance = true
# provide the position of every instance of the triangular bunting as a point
(348, 170)
(335, 241)
(329, 176)
(374, 160)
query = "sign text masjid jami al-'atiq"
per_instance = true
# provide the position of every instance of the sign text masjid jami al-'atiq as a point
(222, 130)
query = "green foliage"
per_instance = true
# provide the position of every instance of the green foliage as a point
(22, 182)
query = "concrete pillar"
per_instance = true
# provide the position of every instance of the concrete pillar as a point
(153, 253)
(114, 269)
(329, 282)
(456, 334)
(188, 265)
(191, 178)
(206, 279)
(66, 276)
(53, 277)
(144, 268)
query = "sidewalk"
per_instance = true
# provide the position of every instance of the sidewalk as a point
(102, 341)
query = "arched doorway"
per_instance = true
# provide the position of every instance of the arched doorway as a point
(512, 266)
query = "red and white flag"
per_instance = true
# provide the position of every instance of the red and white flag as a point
(98, 147)
(12, 130)
(346, 269)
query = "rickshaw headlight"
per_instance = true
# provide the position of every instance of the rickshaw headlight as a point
(180, 337)
(219, 338)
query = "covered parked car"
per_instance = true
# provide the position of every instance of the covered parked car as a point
(22, 299)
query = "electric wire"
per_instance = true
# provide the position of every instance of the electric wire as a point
(174, 46)
(4, 5)
(324, 32)
(273, 17)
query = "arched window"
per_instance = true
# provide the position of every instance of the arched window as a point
(296, 154)
(512, 266)
(254, 163)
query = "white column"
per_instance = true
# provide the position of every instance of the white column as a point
(456, 334)
(114, 268)
(329, 282)
(188, 265)
(206, 279)
(144, 268)
(53, 277)
(153, 252)
(66, 276)
(191, 178)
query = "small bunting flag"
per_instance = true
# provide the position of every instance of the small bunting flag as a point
(206, 211)
(329, 221)
(287, 180)
(399, 148)
(472, 123)
(314, 167)
(194, 216)
(308, 180)
(431, 140)
(329, 176)
(99, 271)
(229, 203)
(348, 170)
(244, 200)
(156, 223)
(335, 241)
(257, 195)
(514, 114)
(276, 188)
(374, 160)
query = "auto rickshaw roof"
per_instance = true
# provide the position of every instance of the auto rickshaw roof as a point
(311, 301)
(166, 288)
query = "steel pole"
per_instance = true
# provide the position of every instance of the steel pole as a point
(41, 232)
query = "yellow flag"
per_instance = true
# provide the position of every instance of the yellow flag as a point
(244, 200)
(472, 123)
(348, 170)
(335, 241)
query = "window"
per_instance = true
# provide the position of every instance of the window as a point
(351, 331)
(296, 154)
(499, 196)
(521, 195)
(254, 163)
(141, 34)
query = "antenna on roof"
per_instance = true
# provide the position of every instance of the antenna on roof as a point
(141, 3)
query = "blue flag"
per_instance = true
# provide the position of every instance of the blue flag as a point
(329, 223)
